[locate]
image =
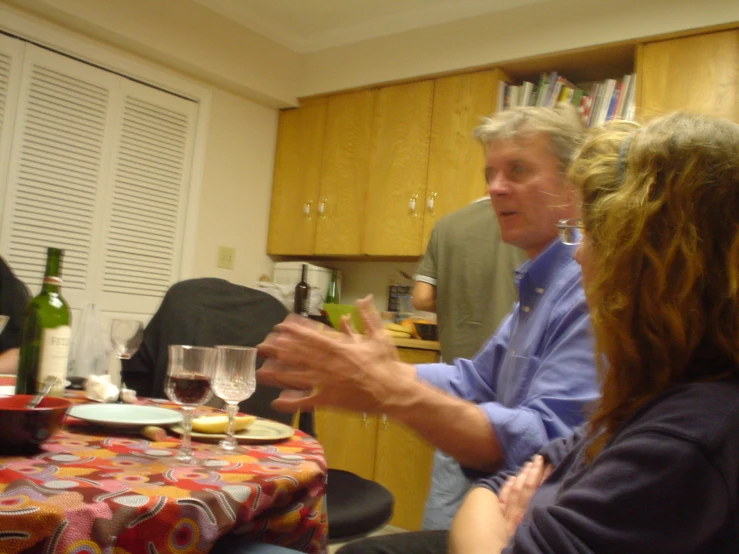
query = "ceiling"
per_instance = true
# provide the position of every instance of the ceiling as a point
(311, 25)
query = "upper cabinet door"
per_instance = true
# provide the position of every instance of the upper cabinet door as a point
(346, 150)
(456, 175)
(292, 222)
(398, 167)
(699, 73)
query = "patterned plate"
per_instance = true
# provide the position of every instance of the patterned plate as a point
(124, 416)
(261, 431)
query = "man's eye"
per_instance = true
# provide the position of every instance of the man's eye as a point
(518, 169)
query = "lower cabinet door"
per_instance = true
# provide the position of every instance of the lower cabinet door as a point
(348, 439)
(385, 451)
(403, 466)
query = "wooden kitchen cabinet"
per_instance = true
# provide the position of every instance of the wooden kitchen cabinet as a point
(377, 448)
(425, 162)
(344, 168)
(292, 222)
(401, 132)
(349, 440)
(369, 172)
(698, 73)
(456, 160)
(320, 176)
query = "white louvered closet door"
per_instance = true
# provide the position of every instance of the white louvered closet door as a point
(58, 161)
(11, 59)
(144, 215)
(99, 166)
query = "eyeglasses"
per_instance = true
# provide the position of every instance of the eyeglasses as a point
(570, 231)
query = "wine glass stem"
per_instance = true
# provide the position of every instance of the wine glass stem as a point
(231, 409)
(185, 447)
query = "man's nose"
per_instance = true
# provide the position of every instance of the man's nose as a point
(498, 185)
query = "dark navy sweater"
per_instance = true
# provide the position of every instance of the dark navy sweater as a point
(667, 482)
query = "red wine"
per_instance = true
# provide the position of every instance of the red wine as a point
(191, 388)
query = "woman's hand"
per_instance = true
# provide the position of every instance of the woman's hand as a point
(517, 491)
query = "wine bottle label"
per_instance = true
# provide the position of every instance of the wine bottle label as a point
(54, 355)
(53, 281)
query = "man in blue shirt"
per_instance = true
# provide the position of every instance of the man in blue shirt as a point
(534, 378)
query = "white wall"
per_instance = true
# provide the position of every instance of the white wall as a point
(184, 35)
(237, 182)
(527, 31)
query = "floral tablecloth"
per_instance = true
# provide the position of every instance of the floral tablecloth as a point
(97, 491)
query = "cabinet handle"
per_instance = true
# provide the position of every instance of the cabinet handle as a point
(365, 419)
(431, 202)
(412, 205)
(321, 208)
(384, 422)
(307, 208)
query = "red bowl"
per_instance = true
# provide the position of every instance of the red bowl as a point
(25, 430)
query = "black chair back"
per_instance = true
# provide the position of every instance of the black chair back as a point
(205, 312)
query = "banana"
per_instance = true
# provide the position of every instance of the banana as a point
(219, 423)
(396, 327)
(397, 334)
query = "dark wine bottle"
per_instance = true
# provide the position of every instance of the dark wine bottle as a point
(332, 296)
(302, 292)
(46, 334)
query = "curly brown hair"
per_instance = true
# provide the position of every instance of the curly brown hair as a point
(660, 208)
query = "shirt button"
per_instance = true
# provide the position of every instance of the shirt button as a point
(539, 290)
(526, 309)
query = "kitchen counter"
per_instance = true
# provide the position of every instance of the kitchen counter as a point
(416, 343)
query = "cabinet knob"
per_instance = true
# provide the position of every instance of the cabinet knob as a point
(307, 208)
(412, 205)
(431, 202)
(384, 422)
(365, 419)
(321, 208)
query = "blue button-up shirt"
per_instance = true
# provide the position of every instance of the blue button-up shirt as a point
(536, 375)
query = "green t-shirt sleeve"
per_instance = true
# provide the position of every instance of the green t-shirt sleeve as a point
(427, 270)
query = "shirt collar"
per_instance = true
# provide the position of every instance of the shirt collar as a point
(541, 270)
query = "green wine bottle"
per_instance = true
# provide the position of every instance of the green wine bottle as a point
(46, 334)
(332, 295)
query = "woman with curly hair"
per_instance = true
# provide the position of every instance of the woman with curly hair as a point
(656, 469)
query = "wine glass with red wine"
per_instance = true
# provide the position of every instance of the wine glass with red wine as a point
(189, 374)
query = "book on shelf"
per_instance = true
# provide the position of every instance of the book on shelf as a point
(500, 101)
(596, 103)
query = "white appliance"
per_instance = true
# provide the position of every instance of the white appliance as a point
(319, 278)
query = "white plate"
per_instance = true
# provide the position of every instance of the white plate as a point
(124, 415)
(262, 430)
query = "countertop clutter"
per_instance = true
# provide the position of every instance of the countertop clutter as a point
(417, 343)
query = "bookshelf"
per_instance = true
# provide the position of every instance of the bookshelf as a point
(600, 82)
(596, 102)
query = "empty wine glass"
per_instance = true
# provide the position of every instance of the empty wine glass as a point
(189, 375)
(234, 381)
(126, 336)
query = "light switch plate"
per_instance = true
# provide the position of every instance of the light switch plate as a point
(226, 257)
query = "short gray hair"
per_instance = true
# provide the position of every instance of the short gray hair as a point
(561, 123)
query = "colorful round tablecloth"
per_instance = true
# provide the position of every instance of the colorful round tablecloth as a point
(104, 491)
